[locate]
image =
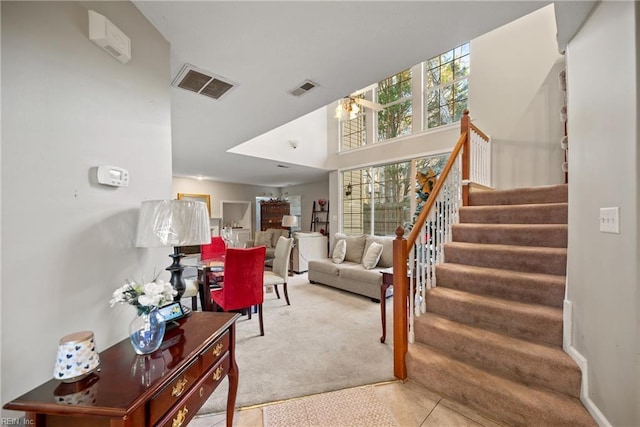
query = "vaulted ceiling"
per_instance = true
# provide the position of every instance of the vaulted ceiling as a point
(270, 47)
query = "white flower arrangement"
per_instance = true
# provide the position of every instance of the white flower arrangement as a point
(145, 297)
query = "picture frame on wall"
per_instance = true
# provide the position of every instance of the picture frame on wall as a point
(198, 198)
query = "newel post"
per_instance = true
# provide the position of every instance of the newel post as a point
(400, 291)
(465, 127)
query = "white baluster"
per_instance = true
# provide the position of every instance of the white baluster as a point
(411, 298)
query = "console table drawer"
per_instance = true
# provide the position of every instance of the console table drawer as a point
(182, 413)
(214, 352)
(202, 353)
(173, 392)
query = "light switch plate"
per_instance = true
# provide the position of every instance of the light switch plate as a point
(610, 220)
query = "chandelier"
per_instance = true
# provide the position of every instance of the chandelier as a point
(347, 108)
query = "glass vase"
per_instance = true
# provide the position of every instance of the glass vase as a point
(146, 332)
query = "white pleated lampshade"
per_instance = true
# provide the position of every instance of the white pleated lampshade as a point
(173, 223)
(289, 221)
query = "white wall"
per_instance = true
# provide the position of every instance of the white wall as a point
(67, 107)
(219, 191)
(308, 194)
(1, 399)
(514, 96)
(603, 279)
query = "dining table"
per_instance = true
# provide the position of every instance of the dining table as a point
(210, 275)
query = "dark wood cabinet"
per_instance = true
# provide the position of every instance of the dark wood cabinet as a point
(166, 387)
(271, 213)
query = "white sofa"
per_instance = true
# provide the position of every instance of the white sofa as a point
(350, 274)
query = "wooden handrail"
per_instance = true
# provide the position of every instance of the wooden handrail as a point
(422, 218)
(479, 132)
(401, 246)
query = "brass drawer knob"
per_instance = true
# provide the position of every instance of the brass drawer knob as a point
(201, 391)
(217, 350)
(217, 374)
(178, 389)
(179, 419)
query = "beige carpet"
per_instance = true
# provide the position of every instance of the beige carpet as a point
(324, 341)
(357, 407)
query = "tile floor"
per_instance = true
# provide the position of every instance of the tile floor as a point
(410, 404)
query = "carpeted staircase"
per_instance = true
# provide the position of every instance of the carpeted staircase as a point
(492, 335)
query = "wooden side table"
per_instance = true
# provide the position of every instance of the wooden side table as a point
(165, 388)
(387, 280)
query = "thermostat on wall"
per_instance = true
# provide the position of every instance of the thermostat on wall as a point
(113, 175)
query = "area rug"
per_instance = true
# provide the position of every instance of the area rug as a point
(326, 340)
(356, 407)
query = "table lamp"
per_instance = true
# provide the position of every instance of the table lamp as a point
(289, 221)
(173, 223)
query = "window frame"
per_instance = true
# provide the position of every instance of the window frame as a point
(426, 90)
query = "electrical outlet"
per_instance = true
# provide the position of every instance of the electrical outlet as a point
(610, 220)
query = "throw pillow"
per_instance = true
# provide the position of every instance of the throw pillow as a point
(355, 248)
(372, 256)
(339, 251)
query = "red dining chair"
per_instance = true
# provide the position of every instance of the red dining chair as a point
(243, 281)
(214, 250)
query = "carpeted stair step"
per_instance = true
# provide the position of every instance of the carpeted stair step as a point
(493, 395)
(532, 288)
(550, 213)
(542, 235)
(526, 259)
(524, 361)
(521, 196)
(525, 321)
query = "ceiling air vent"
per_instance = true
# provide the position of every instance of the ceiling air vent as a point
(305, 87)
(202, 82)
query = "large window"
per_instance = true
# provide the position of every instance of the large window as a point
(353, 132)
(447, 86)
(377, 199)
(394, 93)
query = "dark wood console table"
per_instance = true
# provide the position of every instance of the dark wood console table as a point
(165, 388)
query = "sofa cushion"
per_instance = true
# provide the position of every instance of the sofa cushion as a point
(386, 258)
(339, 251)
(355, 246)
(264, 238)
(372, 255)
(325, 266)
(358, 273)
(276, 233)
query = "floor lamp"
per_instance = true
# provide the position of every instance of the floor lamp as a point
(289, 221)
(174, 223)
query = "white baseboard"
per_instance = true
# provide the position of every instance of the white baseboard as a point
(581, 361)
(567, 325)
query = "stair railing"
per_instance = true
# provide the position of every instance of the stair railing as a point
(415, 258)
